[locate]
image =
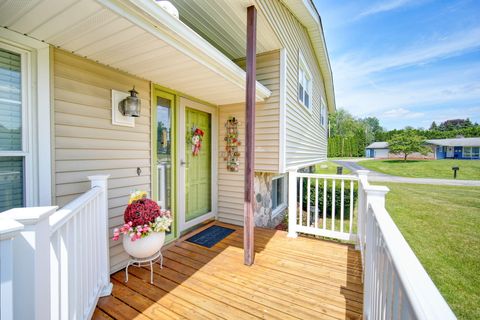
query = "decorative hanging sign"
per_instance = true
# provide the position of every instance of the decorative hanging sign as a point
(232, 154)
(197, 137)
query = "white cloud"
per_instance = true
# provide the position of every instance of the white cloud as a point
(355, 65)
(384, 7)
(372, 86)
(400, 113)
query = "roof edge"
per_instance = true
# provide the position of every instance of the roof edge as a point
(154, 19)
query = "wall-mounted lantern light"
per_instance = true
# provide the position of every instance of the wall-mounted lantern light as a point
(130, 106)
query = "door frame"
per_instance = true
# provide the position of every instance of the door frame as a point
(183, 103)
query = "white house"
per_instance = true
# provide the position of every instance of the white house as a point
(254, 76)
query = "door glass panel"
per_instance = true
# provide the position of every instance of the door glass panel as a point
(11, 183)
(164, 153)
(10, 101)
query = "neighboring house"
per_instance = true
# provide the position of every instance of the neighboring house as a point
(378, 150)
(456, 148)
(65, 68)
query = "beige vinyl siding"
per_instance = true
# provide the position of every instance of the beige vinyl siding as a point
(267, 120)
(86, 142)
(231, 184)
(306, 139)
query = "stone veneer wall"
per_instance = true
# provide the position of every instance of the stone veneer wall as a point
(263, 201)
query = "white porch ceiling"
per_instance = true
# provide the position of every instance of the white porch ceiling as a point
(134, 36)
(224, 24)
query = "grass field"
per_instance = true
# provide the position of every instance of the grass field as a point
(441, 224)
(442, 169)
(331, 168)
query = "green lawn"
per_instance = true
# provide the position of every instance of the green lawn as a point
(442, 169)
(442, 225)
(331, 168)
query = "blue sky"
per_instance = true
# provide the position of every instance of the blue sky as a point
(407, 62)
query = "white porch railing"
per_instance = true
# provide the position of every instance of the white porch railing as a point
(396, 286)
(319, 214)
(60, 259)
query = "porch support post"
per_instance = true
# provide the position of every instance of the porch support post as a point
(248, 240)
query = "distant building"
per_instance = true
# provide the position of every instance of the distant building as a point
(377, 150)
(380, 150)
(457, 148)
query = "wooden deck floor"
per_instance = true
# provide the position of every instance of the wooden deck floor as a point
(299, 278)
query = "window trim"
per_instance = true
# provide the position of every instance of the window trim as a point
(323, 113)
(283, 205)
(302, 65)
(36, 116)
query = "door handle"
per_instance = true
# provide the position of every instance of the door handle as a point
(182, 162)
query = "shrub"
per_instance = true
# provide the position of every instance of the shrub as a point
(338, 194)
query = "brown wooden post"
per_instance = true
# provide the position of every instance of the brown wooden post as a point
(248, 229)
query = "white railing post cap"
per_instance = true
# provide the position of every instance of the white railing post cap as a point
(377, 190)
(9, 228)
(363, 172)
(30, 215)
(99, 177)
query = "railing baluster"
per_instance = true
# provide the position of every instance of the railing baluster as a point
(73, 284)
(342, 199)
(308, 202)
(352, 200)
(96, 260)
(86, 213)
(316, 203)
(301, 202)
(55, 292)
(64, 256)
(325, 190)
(333, 204)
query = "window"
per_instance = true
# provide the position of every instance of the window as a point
(323, 113)
(475, 152)
(467, 152)
(12, 129)
(279, 195)
(304, 83)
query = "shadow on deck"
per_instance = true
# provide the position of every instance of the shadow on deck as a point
(298, 278)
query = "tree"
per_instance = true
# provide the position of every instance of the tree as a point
(407, 143)
(433, 126)
(373, 130)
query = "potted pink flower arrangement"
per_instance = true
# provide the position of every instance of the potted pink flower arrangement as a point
(145, 226)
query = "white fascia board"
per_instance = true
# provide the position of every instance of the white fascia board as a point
(155, 20)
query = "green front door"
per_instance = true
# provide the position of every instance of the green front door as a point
(198, 166)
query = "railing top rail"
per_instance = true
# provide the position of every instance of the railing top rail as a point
(59, 218)
(426, 300)
(9, 228)
(328, 176)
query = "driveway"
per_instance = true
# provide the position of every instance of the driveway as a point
(382, 177)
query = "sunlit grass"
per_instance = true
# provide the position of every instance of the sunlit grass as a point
(441, 224)
(442, 169)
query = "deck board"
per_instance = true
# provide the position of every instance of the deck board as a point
(302, 278)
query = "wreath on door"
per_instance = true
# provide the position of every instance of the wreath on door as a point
(197, 137)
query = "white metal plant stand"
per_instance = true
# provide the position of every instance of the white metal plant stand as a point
(145, 262)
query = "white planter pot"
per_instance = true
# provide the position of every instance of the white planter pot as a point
(144, 247)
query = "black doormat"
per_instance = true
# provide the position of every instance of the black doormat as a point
(210, 236)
